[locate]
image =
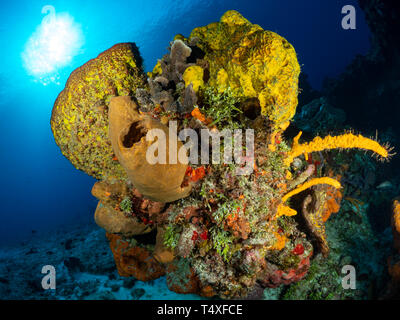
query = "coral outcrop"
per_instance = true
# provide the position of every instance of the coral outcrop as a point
(212, 229)
(318, 115)
(134, 260)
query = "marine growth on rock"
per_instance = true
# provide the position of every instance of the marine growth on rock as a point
(212, 231)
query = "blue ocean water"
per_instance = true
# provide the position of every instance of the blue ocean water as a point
(41, 189)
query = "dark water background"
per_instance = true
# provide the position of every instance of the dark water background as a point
(40, 189)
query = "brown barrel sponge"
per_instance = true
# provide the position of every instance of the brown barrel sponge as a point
(128, 130)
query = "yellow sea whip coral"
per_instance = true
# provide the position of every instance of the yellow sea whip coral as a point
(345, 141)
(284, 210)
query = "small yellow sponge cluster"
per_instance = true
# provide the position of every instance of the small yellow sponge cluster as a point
(345, 141)
(254, 63)
(194, 75)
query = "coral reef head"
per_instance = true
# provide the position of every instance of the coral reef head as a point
(214, 229)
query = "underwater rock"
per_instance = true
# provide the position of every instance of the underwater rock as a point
(162, 253)
(134, 260)
(73, 264)
(181, 278)
(383, 19)
(369, 87)
(79, 119)
(319, 116)
(128, 129)
(275, 277)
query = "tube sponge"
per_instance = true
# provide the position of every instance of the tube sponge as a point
(132, 134)
(345, 141)
(309, 184)
(284, 210)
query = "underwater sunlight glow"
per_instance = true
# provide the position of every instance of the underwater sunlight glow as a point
(52, 46)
